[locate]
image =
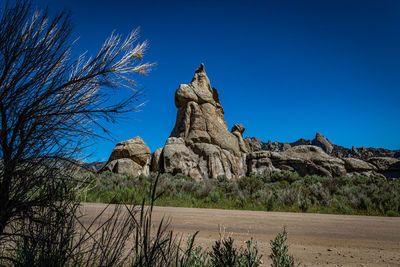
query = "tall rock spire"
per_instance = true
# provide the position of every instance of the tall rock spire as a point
(202, 134)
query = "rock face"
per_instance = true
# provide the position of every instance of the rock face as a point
(389, 167)
(131, 157)
(357, 166)
(200, 144)
(260, 162)
(307, 159)
(255, 144)
(156, 161)
(323, 143)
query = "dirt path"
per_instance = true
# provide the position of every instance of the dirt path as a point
(314, 239)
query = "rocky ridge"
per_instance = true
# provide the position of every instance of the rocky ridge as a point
(201, 146)
(363, 153)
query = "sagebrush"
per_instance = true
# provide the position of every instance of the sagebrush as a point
(279, 191)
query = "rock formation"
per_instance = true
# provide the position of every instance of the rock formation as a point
(334, 150)
(359, 166)
(323, 143)
(308, 159)
(131, 157)
(259, 162)
(305, 159)
(201, 146)
(156, 161)
(389, 167)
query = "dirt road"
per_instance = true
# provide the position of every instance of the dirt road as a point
(314, 239)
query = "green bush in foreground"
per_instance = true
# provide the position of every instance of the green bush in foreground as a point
(279, 191)
(279, 255)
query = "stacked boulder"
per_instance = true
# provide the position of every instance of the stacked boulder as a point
(130, 157)
(200, 144)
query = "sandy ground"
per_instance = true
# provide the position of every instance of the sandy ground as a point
(314, 239)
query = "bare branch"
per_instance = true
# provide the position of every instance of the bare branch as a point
(52, 104)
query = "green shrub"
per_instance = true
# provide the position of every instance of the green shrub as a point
(223, 253)
(339, 202)
(251, 184)
(287, 176)
(240, 201)
(304, 204)
(279, 255)
(392, 213)
(270, 204)
(206, 188)
(249, 256)
(214, 196)
(197, 257)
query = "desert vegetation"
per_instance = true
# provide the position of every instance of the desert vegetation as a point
(279, 191)
(128, 237)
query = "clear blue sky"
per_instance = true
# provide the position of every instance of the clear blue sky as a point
(284, 69)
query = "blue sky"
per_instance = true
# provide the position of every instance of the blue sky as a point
(284, 69)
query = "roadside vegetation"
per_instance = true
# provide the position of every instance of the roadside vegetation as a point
(126, 237)
(280, 191)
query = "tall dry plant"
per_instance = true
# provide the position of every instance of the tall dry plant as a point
(120, 235)
(51, 104)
